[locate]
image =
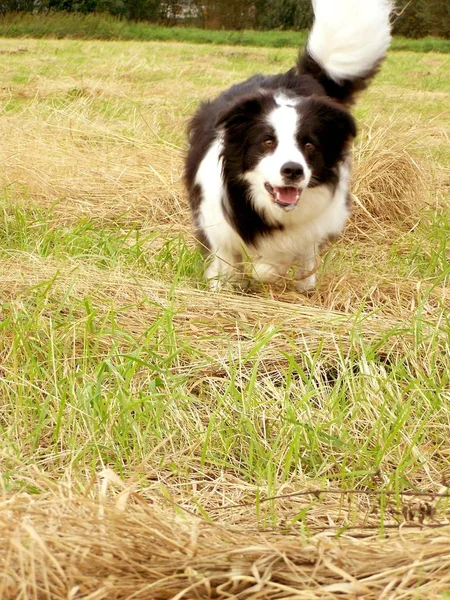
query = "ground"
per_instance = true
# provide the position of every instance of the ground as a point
(116, 360)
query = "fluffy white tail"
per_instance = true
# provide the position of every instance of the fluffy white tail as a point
(349, 38)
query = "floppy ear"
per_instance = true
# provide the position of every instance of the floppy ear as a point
(331, 125)
(241, 112)
(338, 122)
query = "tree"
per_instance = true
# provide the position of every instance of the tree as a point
(142, 10)
(16, 6)
(284, 14)
(418, 18)
(438, 17)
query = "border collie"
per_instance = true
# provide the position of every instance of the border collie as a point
(268, 164)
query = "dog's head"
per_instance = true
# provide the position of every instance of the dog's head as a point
(281, 145)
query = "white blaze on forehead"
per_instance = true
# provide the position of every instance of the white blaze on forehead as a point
(283, 100)
(285, 120)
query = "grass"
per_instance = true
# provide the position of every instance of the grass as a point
(125, 386)
(106, 27)
(207, 560)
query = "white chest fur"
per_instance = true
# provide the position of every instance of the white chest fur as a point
(320, 213)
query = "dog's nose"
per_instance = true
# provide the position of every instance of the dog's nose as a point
(292, 171)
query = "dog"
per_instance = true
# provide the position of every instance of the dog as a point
(268, 162)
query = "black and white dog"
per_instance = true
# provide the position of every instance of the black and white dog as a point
(268, 164)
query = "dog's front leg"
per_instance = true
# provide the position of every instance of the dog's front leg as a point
(305, 273)
(224, 270)
(267, 272)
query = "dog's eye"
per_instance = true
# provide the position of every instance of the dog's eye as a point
(269, 143)
(310, 147)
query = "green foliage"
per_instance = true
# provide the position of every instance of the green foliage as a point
(438, 16)
(141, 10)
(423, 17)
(105, 27)
(7, 6)
(285, 14)
(414, 18)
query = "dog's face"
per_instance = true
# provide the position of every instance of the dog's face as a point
(281, 145)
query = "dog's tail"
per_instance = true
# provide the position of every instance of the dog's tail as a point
(347, 44)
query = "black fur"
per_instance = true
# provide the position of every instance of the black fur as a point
(345, 91)
(330, 128)
(239, 112)
(245, 131)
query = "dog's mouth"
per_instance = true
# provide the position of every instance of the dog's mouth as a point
(285, 197)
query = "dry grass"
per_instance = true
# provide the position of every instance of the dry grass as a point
(90, 169)
(87, 169)
(389, 183)
(63, 546)
(113, 355)
(202, 316)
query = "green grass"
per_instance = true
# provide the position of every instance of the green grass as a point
(114, 355)
(106, 27)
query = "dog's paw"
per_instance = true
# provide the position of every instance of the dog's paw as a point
(304, 286)
(217, 284)
(239, 284)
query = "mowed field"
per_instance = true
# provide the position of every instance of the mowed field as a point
(160, 441)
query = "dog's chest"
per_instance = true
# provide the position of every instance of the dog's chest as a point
(308, 225)
(284, 246)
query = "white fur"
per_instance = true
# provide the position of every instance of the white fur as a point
(349, 36)
(225, 243)
(319, 214)
(284, 121)
(348, 39)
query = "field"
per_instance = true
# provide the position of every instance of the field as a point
(89, 26)
(159, 441)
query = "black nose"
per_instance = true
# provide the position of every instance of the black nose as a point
(292, 171)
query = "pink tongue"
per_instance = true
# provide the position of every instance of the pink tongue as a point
(287, 195)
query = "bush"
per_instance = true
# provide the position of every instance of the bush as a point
(285, 14)
(423, 17)
(414, 18)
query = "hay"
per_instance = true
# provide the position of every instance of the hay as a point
(107, 147)
(388, 180)
(80, 165)
(202, 316)
(62, 545)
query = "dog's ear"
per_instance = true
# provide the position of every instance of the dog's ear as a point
(336, 121)
(330, 124)
(241, 112)
(344, 123)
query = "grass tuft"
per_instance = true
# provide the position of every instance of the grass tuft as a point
(390, 180)
(136, 545)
